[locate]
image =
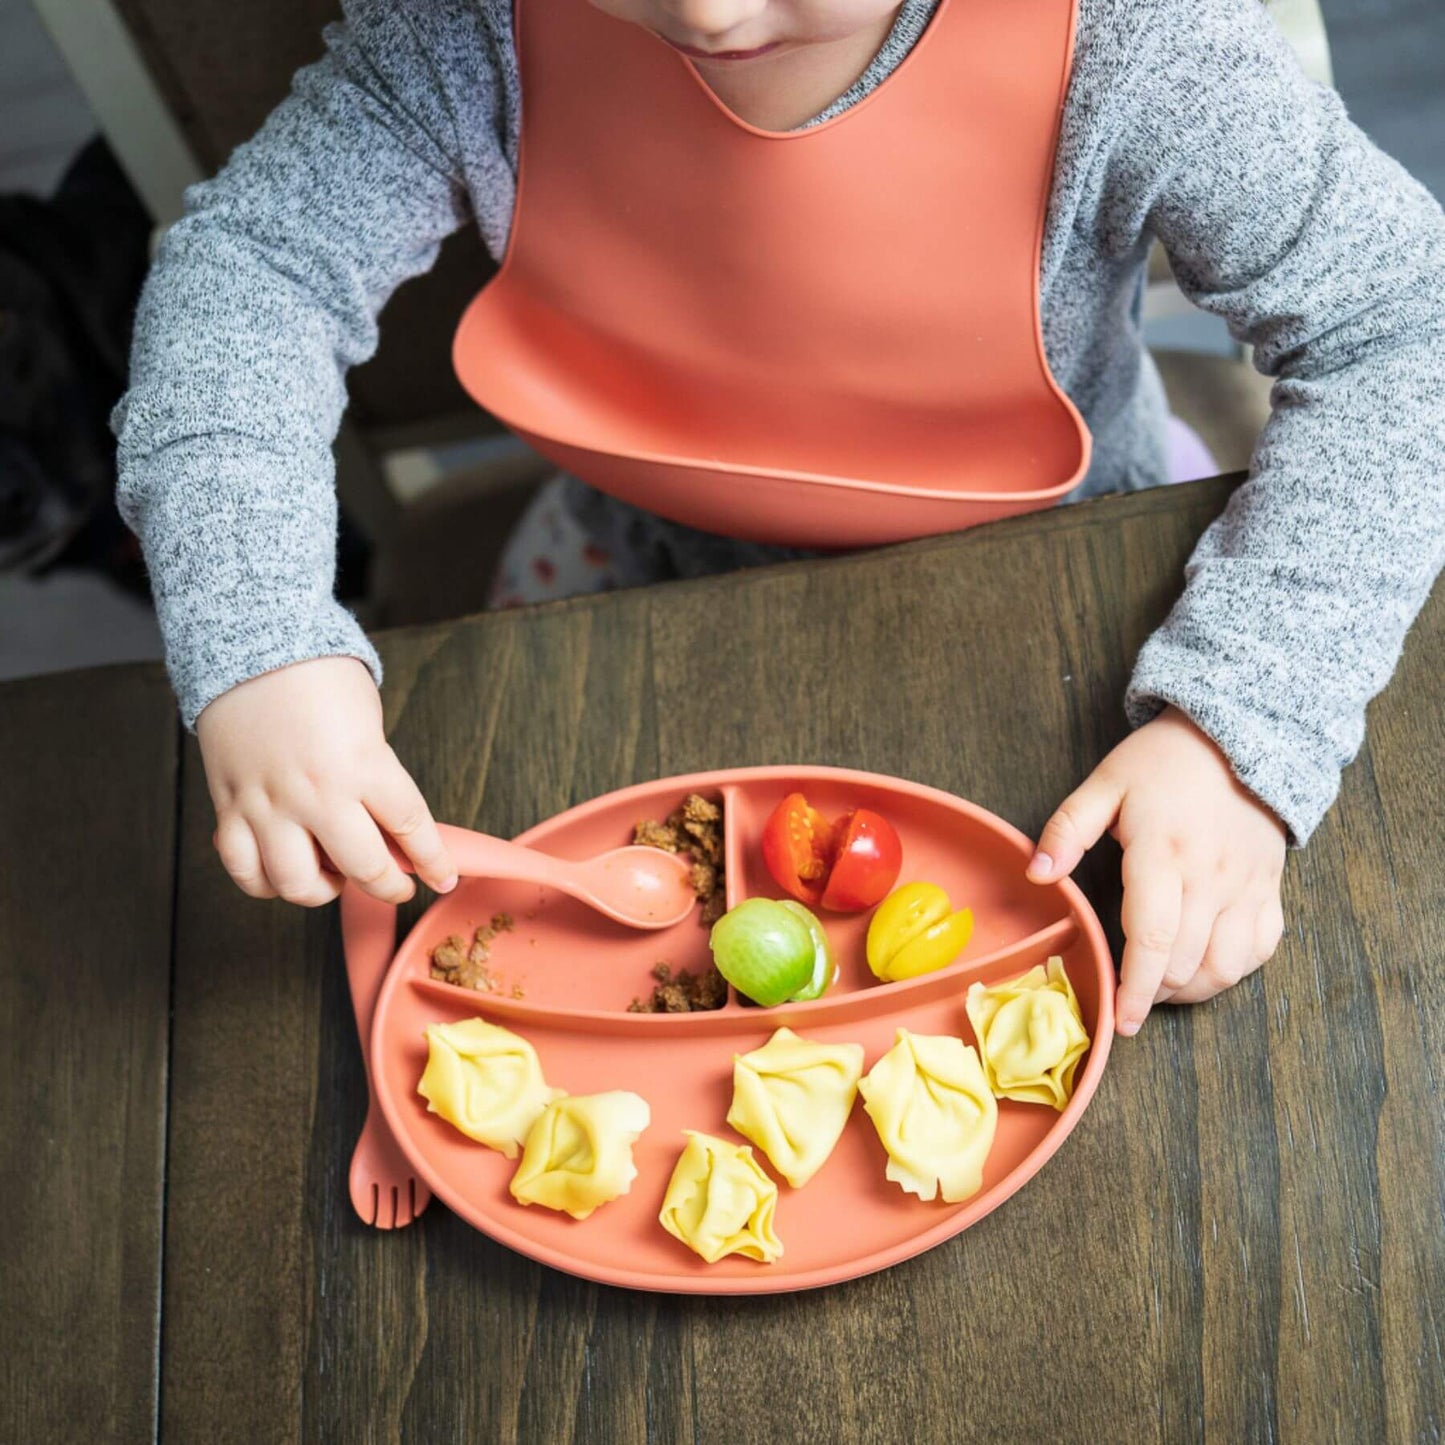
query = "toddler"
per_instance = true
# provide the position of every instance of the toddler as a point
(1185, 121)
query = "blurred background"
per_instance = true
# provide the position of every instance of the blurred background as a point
(109, 108)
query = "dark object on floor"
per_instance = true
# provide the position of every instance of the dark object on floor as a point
(71, 270)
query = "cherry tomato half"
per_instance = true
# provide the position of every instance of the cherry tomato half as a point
(916, 931)
(846, 866)
(866, 858)
(797, 847)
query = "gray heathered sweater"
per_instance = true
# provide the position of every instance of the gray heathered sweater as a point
(1187, 120)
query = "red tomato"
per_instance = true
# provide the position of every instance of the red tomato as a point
(846, 866)
(797, 847)
(867, 857)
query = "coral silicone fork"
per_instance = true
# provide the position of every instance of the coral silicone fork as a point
(384, 1189)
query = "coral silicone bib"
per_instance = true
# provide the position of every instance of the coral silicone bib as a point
(826, 337)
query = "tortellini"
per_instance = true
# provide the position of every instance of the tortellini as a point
(792, 1098)
(486, 1081)
(579, 1152)
(1031, 1035)
(934, 1113)
(720, 1202)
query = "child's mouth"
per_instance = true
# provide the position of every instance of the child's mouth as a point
(696, 54)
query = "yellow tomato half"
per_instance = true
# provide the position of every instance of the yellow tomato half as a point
(916, 931)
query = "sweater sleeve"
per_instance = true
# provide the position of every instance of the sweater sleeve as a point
(261, 297)
(1322, 253)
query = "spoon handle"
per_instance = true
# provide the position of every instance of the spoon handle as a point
(479, 855)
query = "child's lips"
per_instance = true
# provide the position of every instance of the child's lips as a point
(697, 54)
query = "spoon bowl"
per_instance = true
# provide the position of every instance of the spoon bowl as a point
(637, 886)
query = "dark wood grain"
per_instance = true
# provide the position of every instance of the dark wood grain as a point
(1240, 1242)
(87, 853)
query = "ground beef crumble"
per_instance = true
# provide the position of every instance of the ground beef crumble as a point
(456, 961)
(695, 828)
(682, 992)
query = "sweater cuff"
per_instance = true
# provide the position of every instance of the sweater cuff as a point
(1270, 755)
(241, 547)
(258, 643)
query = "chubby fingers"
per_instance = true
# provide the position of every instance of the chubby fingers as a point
(1197, 913)
(1151, 917)
(240, 856)
(293, 865)
(1244, 938)
(302, 843)
(1077, 824)
(395, 801)
(357, 850)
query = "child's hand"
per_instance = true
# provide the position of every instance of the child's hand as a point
(307, 790)
(1202, 864)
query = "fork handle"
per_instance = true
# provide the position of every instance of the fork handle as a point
(368, 939)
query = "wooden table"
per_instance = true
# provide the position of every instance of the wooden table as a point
(1242, 1241)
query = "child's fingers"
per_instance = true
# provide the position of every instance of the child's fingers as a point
(1196, 922)
(1078, 823)
(241, 857)
(356, 848)
(293, 865)
(1230, 956)
(1153, 901)
(395, 801)
(1268, 929)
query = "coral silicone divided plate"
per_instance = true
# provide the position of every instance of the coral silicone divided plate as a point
(565, 975)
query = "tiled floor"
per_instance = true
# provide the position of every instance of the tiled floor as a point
(1389, 59)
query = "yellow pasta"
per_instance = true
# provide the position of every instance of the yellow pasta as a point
(931, 1105)
(1030, 1034)
(484, 1080)
(792, 1098)
(579, 1152)
(719, 1201)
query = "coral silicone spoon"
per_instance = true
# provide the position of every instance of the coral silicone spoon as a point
(641, 887)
